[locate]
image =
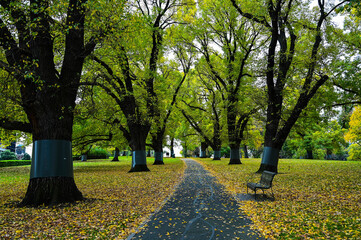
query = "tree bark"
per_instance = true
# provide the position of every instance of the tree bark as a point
(281, 48)
(158, 158)
(172, 148)
(217, 154)
(235, 156)
(270, 158)
(245, 150)
(204, 147)
(47, 97)
(116, 155)
(185, 150)
(138, 133)
(51, 191)
(157, 144)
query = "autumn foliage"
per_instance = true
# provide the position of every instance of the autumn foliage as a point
(353, 135)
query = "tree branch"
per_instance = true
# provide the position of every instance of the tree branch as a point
(15, 125)
(250, 16)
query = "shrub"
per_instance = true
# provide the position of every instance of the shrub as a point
(354, 152)
(98, 153)
(7, 155)
(26, 156)
(226, 151)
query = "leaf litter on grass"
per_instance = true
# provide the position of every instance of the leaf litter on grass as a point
(117, 202)
(313, 199)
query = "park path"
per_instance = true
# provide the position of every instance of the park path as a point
(200, 209)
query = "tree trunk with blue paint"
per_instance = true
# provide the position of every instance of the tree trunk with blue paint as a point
(48, 94)
(282, 49)
(138, 136)
(204, 147)
(157, 138)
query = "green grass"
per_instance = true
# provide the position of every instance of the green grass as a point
(117, 203)
(315, 199)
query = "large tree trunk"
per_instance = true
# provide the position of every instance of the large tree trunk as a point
(245, 150)
(233, 137)
(158, 157)
(216, 139)
(158, 154)
(269, 159)
(138, 135)
(157, 144)
(51, 191)
(172, 148)
(204, 147)
(282, 49)
(47, 96)
(185, 150)
(217, 154)
(235, 155)
(116, 155)
(51, 175)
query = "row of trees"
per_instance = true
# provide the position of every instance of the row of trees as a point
(131, 72)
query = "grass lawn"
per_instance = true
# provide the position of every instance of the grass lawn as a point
(314, 199)
(117, 201)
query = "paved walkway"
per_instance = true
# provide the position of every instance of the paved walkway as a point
(199, 209)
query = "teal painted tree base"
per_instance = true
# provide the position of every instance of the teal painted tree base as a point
(158, 158)
(50, 191)
(158, 163)
(235, 156)
(52, 158)
(217, 155)
(84, 157)
(269, 160)
(139, 168)
(234, 161)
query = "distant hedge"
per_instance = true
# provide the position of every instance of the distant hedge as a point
(95, 153)
(9, 163)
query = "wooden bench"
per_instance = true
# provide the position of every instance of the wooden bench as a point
(264, 183)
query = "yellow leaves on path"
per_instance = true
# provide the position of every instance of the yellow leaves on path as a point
(117, 201)
(313, 199)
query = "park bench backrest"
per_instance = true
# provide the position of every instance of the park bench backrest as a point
(267, 178)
